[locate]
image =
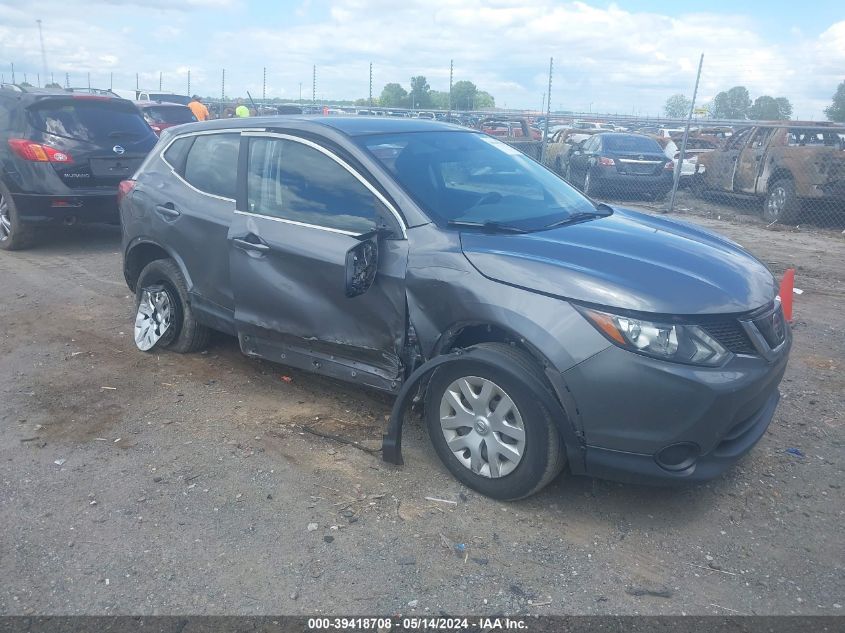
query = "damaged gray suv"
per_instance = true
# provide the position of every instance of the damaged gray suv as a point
(535, 328)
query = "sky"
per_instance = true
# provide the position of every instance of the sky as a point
(614, 57)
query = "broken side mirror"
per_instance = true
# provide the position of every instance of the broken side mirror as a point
(362, 264)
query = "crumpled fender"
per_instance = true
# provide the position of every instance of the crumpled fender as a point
(391, 448)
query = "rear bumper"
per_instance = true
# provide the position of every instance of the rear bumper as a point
(610, 178)
(78, 207)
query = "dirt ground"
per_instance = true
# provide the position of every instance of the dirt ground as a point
(166, 484)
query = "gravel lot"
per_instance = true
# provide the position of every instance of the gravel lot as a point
(167, 484)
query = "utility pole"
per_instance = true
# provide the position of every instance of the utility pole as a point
(189, 82)
(67, 80)
(136, 82)
(223, 86)
(89, 81)
(680, 164)
(264, 88)
(43, 53)
(160, 80)
(111, 80)
(451, 70)
(548, 112)
(371, 84)
(300, 93)
(314, 86)
(13, 73)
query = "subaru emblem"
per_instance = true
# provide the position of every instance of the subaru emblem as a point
(118, 149)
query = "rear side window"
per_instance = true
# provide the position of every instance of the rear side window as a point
(212, 164)
(169, 114)
(95, 121)
(292, 181)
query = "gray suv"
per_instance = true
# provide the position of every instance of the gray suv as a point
(534, 327)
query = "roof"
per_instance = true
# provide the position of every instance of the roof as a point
(353, 125)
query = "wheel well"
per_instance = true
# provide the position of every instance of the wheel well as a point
(469, 335)
(779, 174)
(138, 257)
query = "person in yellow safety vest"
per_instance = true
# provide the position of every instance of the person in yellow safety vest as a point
(241, 110)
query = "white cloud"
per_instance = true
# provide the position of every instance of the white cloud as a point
(616, 59)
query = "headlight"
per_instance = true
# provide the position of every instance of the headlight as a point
(667, 341)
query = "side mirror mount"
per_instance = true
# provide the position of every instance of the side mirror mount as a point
(362, 264)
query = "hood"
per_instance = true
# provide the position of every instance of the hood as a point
(628, 260)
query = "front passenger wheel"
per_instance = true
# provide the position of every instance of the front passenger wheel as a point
(163, 313)
(488, 427)
(781, 204)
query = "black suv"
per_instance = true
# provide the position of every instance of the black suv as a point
(535, 326)
(62, 156)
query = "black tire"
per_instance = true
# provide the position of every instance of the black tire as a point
(781, 203)
(543, 455)
(589, 187)
(14, 234)
(185, 335)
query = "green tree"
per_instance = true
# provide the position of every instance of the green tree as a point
(484, 100)
(439, 99)
(25, 84)
(784, 108)
(765, 108)
(420, 96)
(677, 106)
(393, 96)
(836, 110)
(768, 108)
(54, 86)
(733, 104)
(463, 95)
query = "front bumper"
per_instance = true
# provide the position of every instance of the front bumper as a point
(83, 206)
(633, 407)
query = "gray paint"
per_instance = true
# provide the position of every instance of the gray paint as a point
(288, 304)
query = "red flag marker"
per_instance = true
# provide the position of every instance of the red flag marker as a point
(786, 286)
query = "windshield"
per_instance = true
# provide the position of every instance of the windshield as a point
(630, 143)
(474, 178)
(169, 114)
(95, 121)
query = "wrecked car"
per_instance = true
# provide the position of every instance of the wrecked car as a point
(534, 327)
(788, 167)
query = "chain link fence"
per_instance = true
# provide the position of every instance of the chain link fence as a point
(787, 173)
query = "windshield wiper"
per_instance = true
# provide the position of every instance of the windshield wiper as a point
(581, 216)
(488, 225)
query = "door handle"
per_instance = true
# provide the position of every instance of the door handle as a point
(246, 245)
(167, 210)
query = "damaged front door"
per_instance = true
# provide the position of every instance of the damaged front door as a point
(317, 263)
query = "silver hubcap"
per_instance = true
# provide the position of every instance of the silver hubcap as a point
(5, 220)
(153, 318)
(482, 426)
(776, 202)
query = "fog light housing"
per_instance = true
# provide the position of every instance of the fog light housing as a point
(677, 457)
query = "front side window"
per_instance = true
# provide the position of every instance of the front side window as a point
(293, 181)
(212, 164)
(469, 177)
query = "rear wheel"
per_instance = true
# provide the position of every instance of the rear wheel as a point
(589, 187)
(781, 204)
(14, 235)
(163, 316)
(489, 427)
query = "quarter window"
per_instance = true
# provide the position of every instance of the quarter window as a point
(292, 181)
(212, 164)
(176, 153)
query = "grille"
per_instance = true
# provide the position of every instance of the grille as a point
(731, 335)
